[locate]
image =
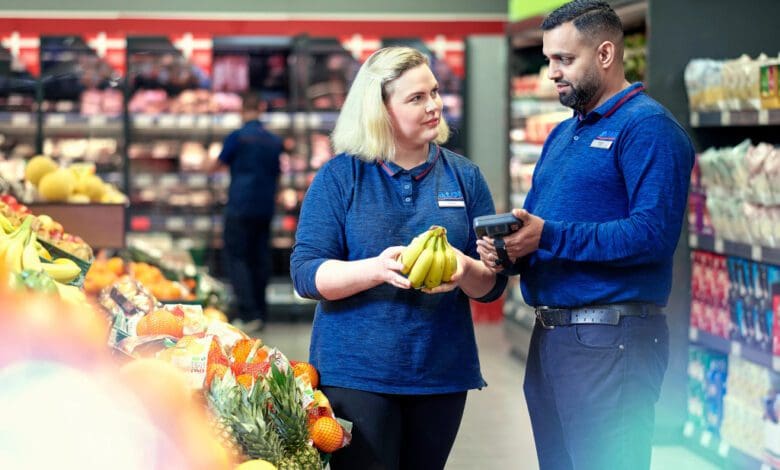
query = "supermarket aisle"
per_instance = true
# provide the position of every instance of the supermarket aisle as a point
(496, 431)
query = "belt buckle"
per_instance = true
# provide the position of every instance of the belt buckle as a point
(539, 317)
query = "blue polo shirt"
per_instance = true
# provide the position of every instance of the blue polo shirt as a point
(386, 339)
(612, 188)
(253, 156)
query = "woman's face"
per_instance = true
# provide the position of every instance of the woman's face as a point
(414, 106)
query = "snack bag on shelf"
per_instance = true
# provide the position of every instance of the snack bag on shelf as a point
(126, 302)
(190, 355)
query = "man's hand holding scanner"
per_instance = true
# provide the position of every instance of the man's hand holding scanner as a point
(516, 244)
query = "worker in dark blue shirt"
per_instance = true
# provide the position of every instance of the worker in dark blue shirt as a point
(252, 153)
(601, 223)
(395, 361)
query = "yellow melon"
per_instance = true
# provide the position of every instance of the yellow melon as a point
(57, 185)
(93, 187)
(38, 167)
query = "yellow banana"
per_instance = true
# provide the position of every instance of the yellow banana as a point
(450, 261)
(433, 278)
(6, 224)
(30, 259)
(42, 252)
(70, 294)
(13, 256)
(412, 251)
(62, 272)
(422, 264)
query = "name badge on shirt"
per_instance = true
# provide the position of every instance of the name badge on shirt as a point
(601, 144)
(451, 199)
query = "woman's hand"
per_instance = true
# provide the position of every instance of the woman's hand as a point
(463, 261)
(387, 268)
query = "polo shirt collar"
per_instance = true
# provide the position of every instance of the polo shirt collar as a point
(607, 108)
(419, 171)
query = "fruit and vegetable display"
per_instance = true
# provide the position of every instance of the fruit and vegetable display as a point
(429, 260)
(77, 183)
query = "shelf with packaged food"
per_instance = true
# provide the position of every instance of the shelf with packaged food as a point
(741, 118)
(715, 244)
(734, 348)
(710, 446)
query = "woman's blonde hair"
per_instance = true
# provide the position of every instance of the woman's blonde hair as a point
(363, 127)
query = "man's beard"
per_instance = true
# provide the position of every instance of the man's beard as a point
(580, 96)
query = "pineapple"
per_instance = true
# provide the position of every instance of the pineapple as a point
(290, 420)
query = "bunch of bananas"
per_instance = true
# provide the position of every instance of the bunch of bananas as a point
(429, 260)
(20, 251)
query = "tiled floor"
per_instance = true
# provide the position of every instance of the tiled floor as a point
(496, 431)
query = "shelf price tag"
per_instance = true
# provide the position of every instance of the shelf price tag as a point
(142, 180)
(776, 363)
(167, 120)
(98, 121)
(186, 121)
(174, 223)
(201, 224)
(736, 348)
(279, 120)
(198, 181)
(719, 246)
(688, 429)
(55, 120)
(20, 119)
(142, 120)
(763, 117)
(756, 252)
(725, 118)
(706, 439)
(167, 181)
(693, 334)
(231, 121)
(694, 119)
(693, 240)
(204, 122)
(723, 449)
(315, 120)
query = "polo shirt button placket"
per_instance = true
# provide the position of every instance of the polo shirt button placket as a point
(407, 189)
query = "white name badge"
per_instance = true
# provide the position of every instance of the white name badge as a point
(452, 203)
(601, 144)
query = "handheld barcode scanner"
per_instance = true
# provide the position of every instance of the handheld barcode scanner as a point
(496, 227)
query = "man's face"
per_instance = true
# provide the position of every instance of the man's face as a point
(572, 66)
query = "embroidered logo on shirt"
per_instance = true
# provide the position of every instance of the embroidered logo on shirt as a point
(604, 140)
(451, 199)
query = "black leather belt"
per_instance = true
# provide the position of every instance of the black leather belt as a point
(550, 317)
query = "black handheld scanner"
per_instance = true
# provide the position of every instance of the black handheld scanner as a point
(496, 227)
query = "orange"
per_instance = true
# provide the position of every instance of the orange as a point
(327, 434)
(246, 380)
(214, 370)
(116, 265)
(305, 368)
(160, 322)
(241, 349)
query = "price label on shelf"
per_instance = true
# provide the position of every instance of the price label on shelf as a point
(693, 334)
(186, 121)
(736, 348)
(723, 449)
(693, 240)
(167, 181)
(142, 120)
(688, 429)
(725, 118)
(230, 121)
(706, 439)
(167, 120)
(694, 119)
(97, 121)
(315, 120)
(719, 246)
(143, 180)
(776, 363)
(763, 117)
(756, 252)
(299, 120)
(20, 119)
(198, 181)
(201, 224)
(279, 120)
(55, 120)
(204, 122)
(174, 223)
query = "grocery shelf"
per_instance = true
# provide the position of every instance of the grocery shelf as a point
(715, 449)
(762, 117)
(72, 123)
(762, 254)
(734, 348)
(18, 123)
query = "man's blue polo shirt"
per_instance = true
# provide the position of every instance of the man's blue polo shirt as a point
(253, 156)
(612, 188)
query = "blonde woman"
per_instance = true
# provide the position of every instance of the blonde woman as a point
(395, 361)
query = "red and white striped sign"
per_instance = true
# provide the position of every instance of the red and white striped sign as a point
(110, 47)
(196, 48)
(24, 49)
(449, 49)
(361, 46)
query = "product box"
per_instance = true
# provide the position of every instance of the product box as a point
(768, 85)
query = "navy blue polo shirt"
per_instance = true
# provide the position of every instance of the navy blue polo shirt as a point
(253, 156)
(386, 339)
(612, 188)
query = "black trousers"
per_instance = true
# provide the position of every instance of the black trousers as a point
(396, 432)
(591, 392)
(247, 260)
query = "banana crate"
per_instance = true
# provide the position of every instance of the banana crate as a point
(56, 252)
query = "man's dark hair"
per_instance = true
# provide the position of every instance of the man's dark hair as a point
(250, 102)
(594, 19)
